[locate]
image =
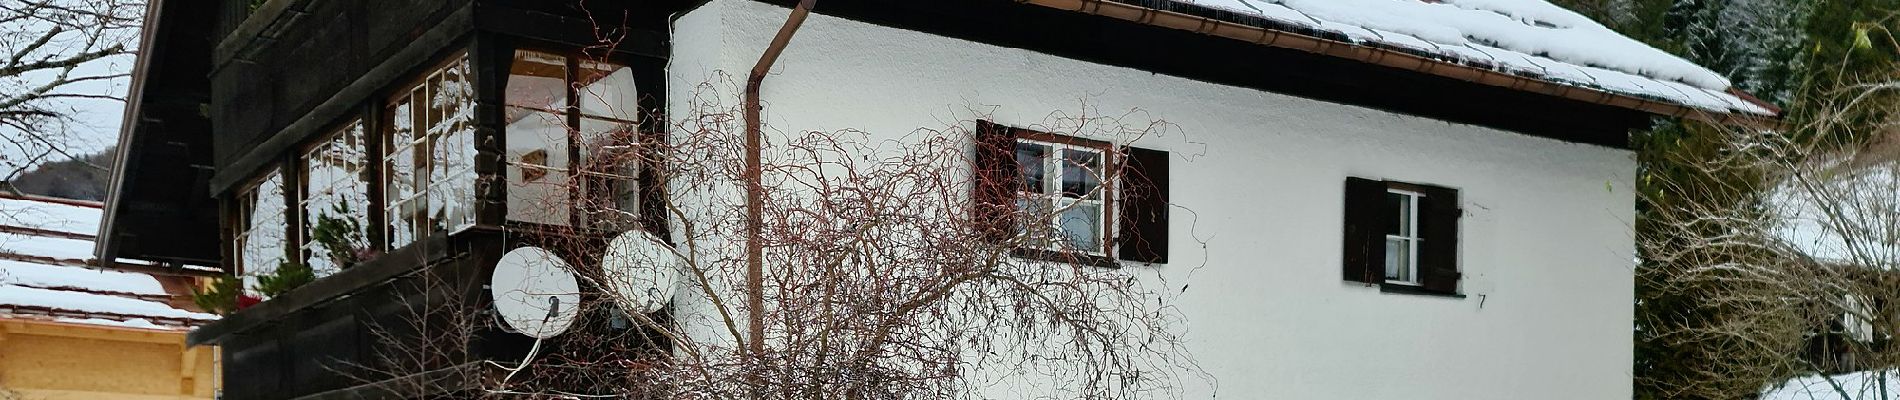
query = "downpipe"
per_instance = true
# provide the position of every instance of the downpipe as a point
(755, 187)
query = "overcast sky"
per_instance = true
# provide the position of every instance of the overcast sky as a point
(96, 122)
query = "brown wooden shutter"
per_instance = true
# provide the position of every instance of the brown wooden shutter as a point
(1438, 226)
(996, 181)
(1144, 206)
(1364, 259)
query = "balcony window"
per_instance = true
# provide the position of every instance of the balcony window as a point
(571, 165)
(260, 242)
(429, 157)
(335, 201)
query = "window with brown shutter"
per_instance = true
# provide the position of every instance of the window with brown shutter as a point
(1401, 236)
(1068, 199)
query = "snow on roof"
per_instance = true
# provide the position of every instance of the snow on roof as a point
(77, 250)
(67, 216)
(62, 277)
(1857, 385)
(1523, 37)
(139, 323)
(45, 248)
(89, 303)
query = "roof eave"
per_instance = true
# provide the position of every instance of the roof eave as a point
(105, 249)
(1395, 59)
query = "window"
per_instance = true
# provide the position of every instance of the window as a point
(1857, 318)
(1063, 198)
(429, 157)
(334, 200)
(1402, 236)
(584, 157)
(261, 227)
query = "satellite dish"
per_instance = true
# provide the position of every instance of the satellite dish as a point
(535, 294)
(641, 271)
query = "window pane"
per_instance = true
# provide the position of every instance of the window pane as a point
(1082, 225)
(399, 175)
(1033, 217)
(1080, 172)
(452, 154)
(610, 165)
(538, 181)
(336, 202)
(1398, 207)
(537, 80)
(263, 242)
(1398, 254)
(1031, 160)
(430, 160)
(607, 90)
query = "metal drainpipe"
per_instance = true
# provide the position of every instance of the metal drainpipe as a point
(755, 187)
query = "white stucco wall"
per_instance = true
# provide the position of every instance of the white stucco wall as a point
(1546, 244)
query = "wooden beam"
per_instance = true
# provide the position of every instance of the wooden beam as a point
(94, 332)
(188, 370)
(425, 252)
(446, 35)
(444, 381)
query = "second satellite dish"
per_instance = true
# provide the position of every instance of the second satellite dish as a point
(641, 271)
(535, 292)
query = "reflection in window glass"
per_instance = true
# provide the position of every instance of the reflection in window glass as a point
(335, 201)
(560, 155)
(430, 157)
(607, 91)
(537, 139)
(1402, 238)
(399, 175)
(262, 230)
(1062, 198)
(610, 168)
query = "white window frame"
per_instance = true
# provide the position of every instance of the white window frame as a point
(1051, 191)
(1410, 234)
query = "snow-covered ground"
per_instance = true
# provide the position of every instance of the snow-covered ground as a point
(1868, 385)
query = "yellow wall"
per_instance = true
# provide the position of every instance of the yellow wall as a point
(56, 361)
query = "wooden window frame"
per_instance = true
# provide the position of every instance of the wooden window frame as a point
(585, 190)
(1410, 234)
(1434, 260)
(1134, 185)
(422, 146)
(1108, 186)
(243, 224)
(373, 159)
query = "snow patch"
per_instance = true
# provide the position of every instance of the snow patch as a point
(60, 277)
(1852, 386)
(92, 303)
(58, 217)
(138, 323)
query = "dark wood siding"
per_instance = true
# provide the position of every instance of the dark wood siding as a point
(262, 90)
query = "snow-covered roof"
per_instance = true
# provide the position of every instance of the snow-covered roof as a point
(47, 272)
(1528, 38)
(75, 217)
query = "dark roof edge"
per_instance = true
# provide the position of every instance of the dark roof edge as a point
(105, 247)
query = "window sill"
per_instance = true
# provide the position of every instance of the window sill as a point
(1086, 260)
(1393, 288)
